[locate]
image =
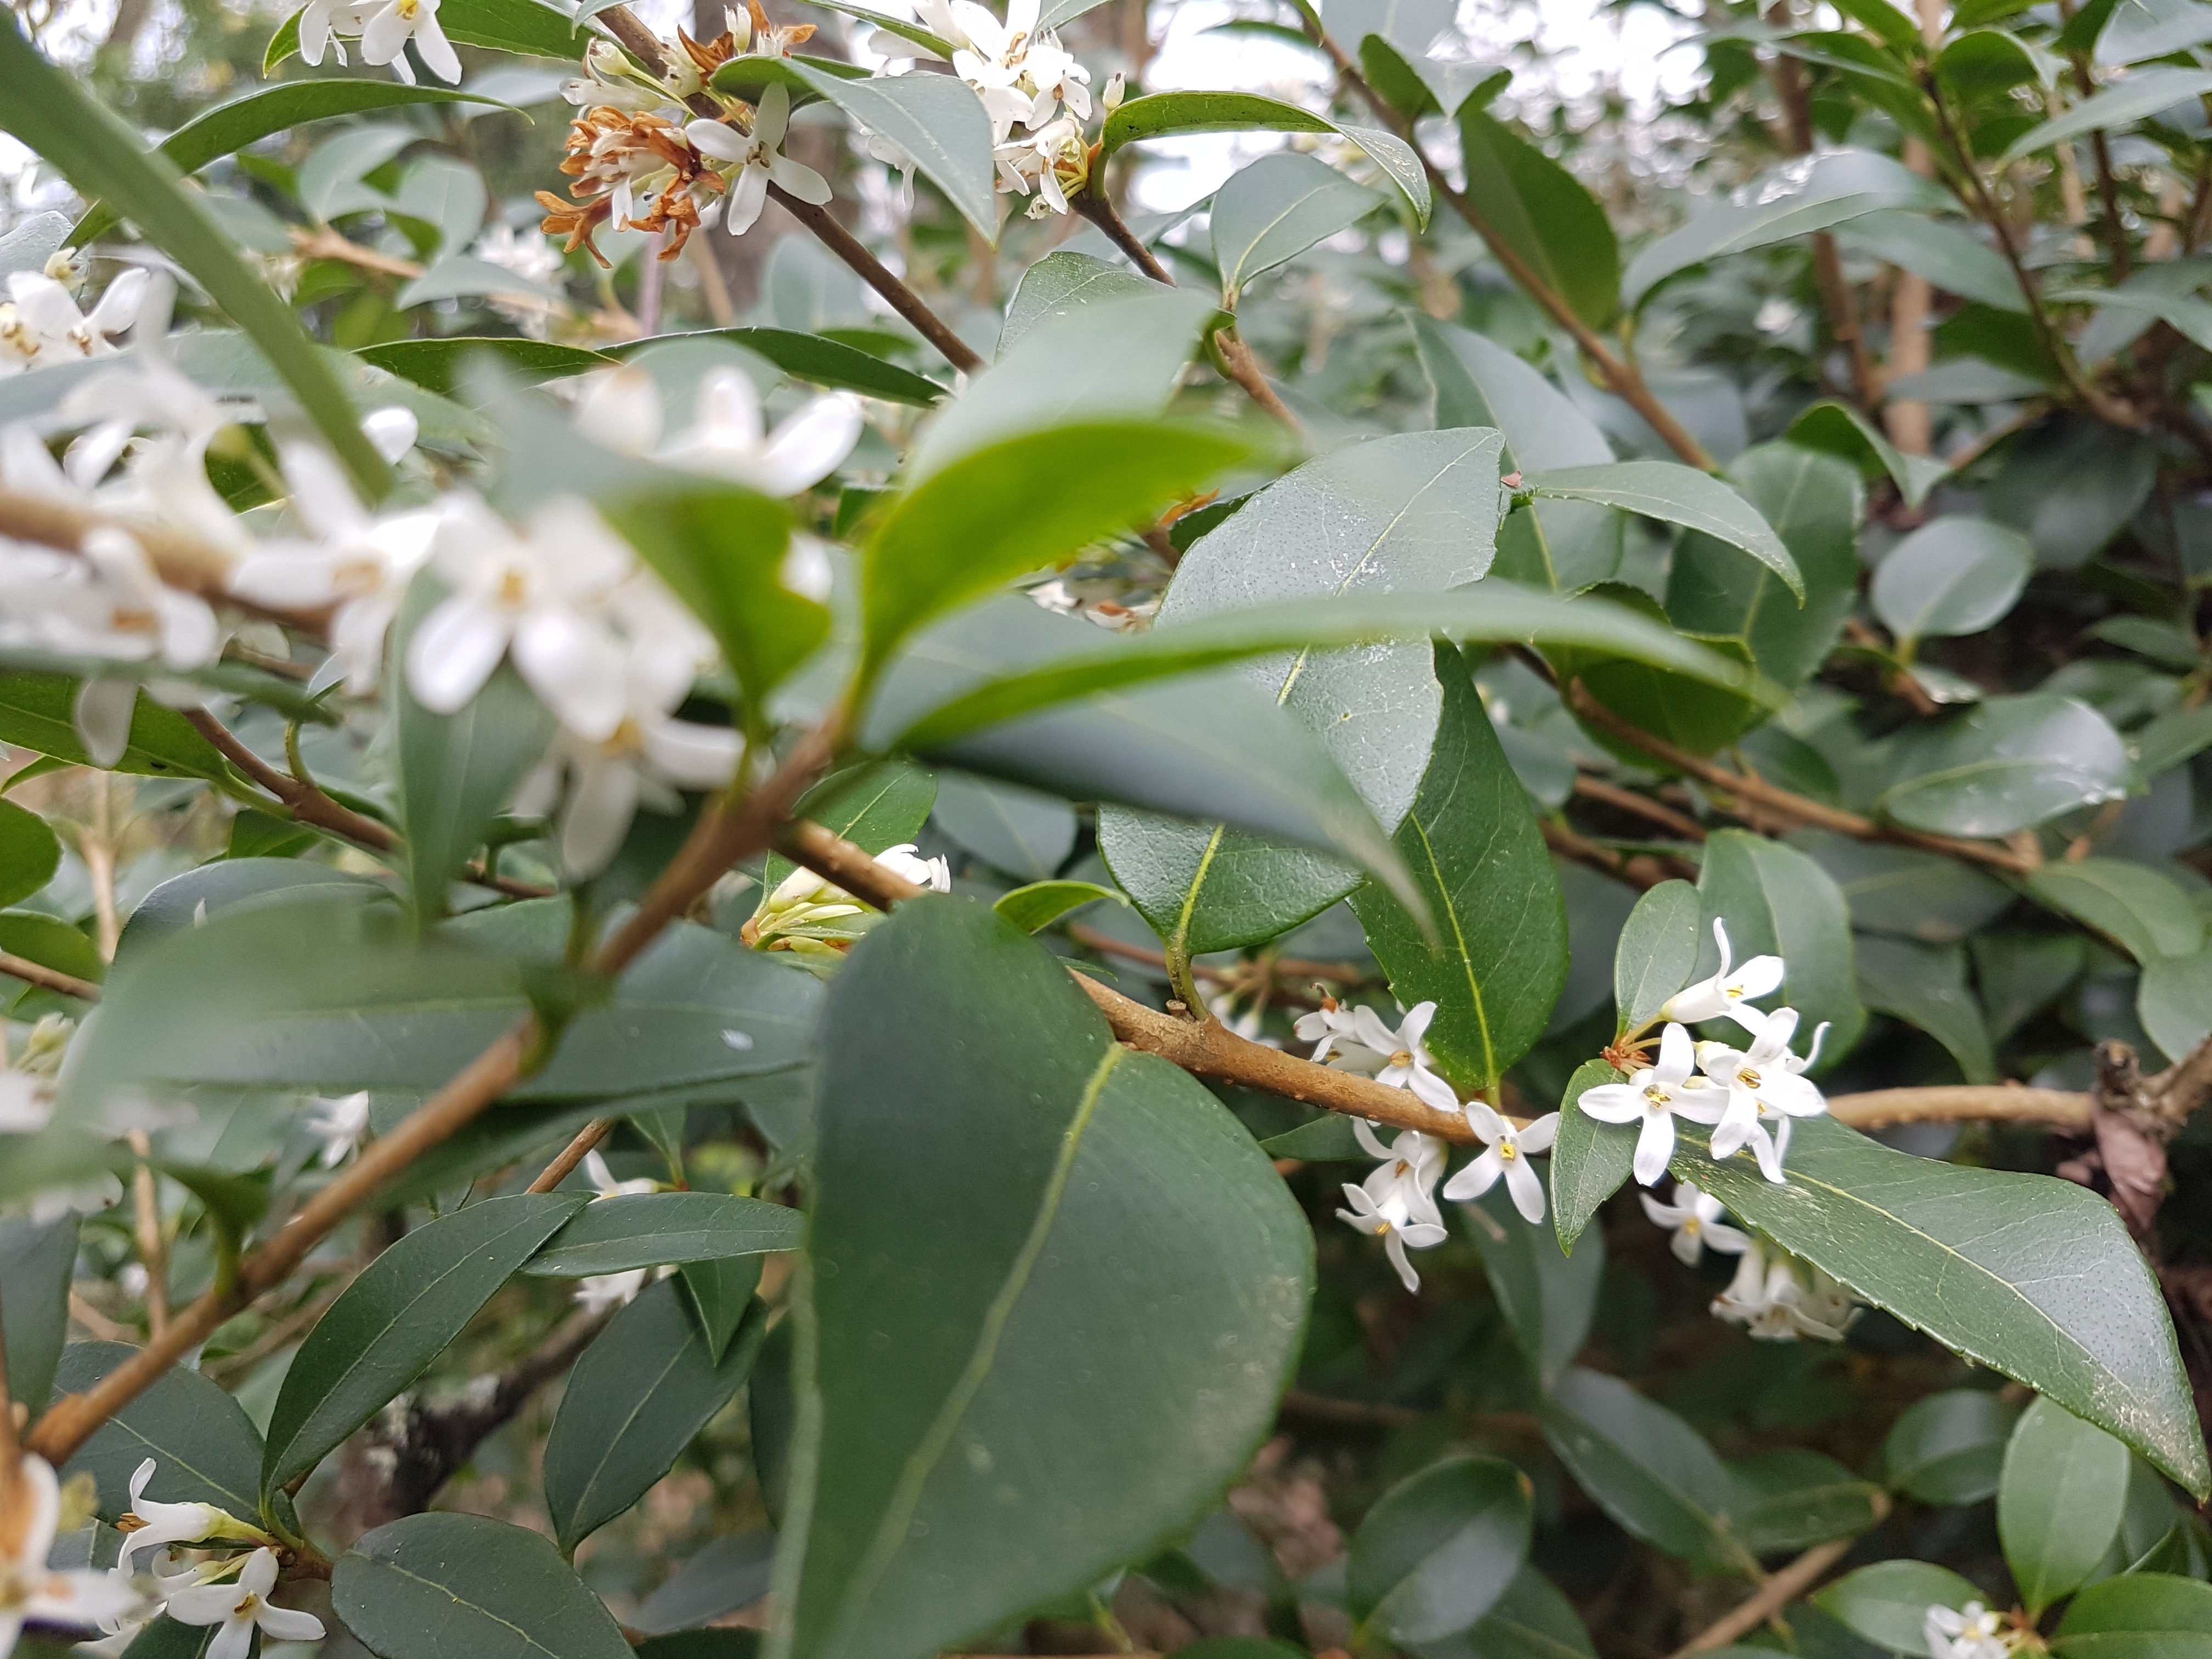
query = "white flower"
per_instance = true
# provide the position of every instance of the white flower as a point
(621, 409)
(1357, 1040)
(529, 255)
(542, 596)
(391, 431)
(606, 1186)
(607, 80)
(242, 1608)
(1117, 88)
(322, 20)
(25, 1108)
(1694, 1219)
(1972, 1631)
(1507, 1155)
(150, 1525)
(896, 157)
(1652, 1094)
(41, 323)
(31, 1593)
(1764, 1088)
(1723, 995)
(1778, 1298)
(1055, 159)
(759, 160)
(603, 1290)
(1022, 74)
(359, 563)
(1395, 1202)
(903, 860)
(813, 916)
(386, 31)
(339, 1124)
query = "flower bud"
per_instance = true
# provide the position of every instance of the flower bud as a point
(1117, 89)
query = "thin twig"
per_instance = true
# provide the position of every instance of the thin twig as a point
(1095, 205)
(49, 979)
(1776, 1594)
(1627, 800)
(1244, 369)
(103, 1328)
(574, 1154)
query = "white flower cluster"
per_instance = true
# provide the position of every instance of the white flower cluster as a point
(384, 27)
(1779, 1297)
(1972, 1631)
(40, 324)
(1396, 1203)
(1749, 1096)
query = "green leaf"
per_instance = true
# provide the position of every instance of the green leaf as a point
(394, 1320)
(102, 158)
(2144, 1615)
(228, 128)
(1019, 831)
(2147, 914)
(1270, 212)
(1059, 284)
(936, 119)
(1646, 1467)
(50, 944)
(1776, 900)
(1911, 895)
(1888, 1603)
(814, 357)
(37, 1261)
(1955, 574)
(2009, 764)
(29, 853)
(522, 26)
(720, 1293)
(1925, 984)
(1812, 503)
(941, 1429)
(644, 1388)
(1328, 1138)
(902, 28)
(1411, 513)
(876, 806)
(1543, 213)
(1590, 1160)
(1549, 1296)
(1949, 258)
(2121, 103)
(1015, 505)
(1499, 954)
(436, 364)
(650, 1229)
(35, 714)
(1949, 1447)
(1791, 1499)
(2173, 1000)
(1658, 951)
(464, 1583)
(1792, 199)
(1530, 1620)
(2059, 1501)
(1174, 114)
(1676, 494)
(2066, 1306)
(1041, 903)
(1437, 1551)
(204, 1445)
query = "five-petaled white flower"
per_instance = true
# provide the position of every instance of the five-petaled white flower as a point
(1394, 1203)
(339, 1124)
(1507, 1155)
(32, 1593)
(1725, 994)
(1652, 1096)
(1694, 1218)
(241, 1608)
(1765, 1089)
(1972, 1631)
(151, 1526)
(760, 162)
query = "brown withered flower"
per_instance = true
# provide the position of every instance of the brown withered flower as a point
(633, 171)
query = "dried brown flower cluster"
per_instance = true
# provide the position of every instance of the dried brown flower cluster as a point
(618, 159)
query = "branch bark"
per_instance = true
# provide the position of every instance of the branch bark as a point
(1776, 1594)
(48, 979)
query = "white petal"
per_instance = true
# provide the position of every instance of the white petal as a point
(1678, 1055)
(1539, 1135)
(384, 37)
(807, 447)
(393, 431)
(1614, 1102)
(719, 140)
(1527, 1192)
(1670, 1215)
(234, 1641)
(576, 668)
(1477, 1178)
(1432, 1090)
(747, 196)
(1370, 1142)
(1654, 1147)
(602, 800)
(259, 1575)
(102, 715)
(454, 652)
(203, 1604)
(620, 410)
(1394, 1246)
(694, 756)
(436, 51)
(797, 178)
(772, 117)
(1484, 1120)
(290, 1625)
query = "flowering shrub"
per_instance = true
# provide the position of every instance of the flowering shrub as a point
(705, 982)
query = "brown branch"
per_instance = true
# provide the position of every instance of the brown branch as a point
(1627, 800)
(1244, 368)
(328, 243)
(1745, 786)
(103, 1328)
(574, 1154)
(48, 979)
(1788, 76)
(305, 801)
(1096, 206)
(181, 561)
(1642, 869)
(146, 1229)
(1777, 1593)
(1963, 1103)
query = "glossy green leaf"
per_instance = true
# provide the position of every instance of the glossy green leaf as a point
(29, 853)
(35, 714)
(1911, 894)
(1268, 213)
(1776, 900)
(204, 1448)
(1543, 213)
(2144, 1615)
(1955, 574)
(2066, 1307)
(1658, 951)
(1016, 831)
(650, 1229)
(1590, 1160)
(726, 1573)
(103, 158)
(1041, 903)
(1925, 985)
(1646, 1467)
(877, 805)
(2173, 1000)
(2121, 103)
(1950, 1446)
(464, 1583)
(436, 364)
(1015, 505)
(639, 1396)
(2148, 914)
(1498, 953)
(720, 1294)
(2063, 1488)
(805, 356)
(936, 120)
(1174, 114)
(2008, 765)
(1548, 1295)
(1530, 1620)
(38, 1258)
(1791, 1499)
(1437, 1551)
(50, 944)
(1888, 1603)
(228, 128)
(1675, 495)
(1062, 282)
(942, 1430)
(394, 1320)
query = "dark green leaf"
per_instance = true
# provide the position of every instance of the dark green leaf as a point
(30, 854)
(1793, 1499)
(1590, 1160)
(1530, 1620)
(720, 1293)
(934, 118)
(650, 1229)
(2121, 103)
(941, 1428)
(1775, 900)
(1172, 114)
(1645, 1466)
(1925, 984)
(1676, 494)
(1949, 1447)
(2145, 1615)
(2147, 914)
(2008, 764)
(436, 364)
(1658, 951)
(203, 1446)
(645, 1385)
(2063, 1489)
(728, 1572)
(813, 357)
(1549, 1296)
(34, 714)
(1438, 1548)
(1913, 895)
(1060, 283)
(1955, 574)
(37, 1261)
(50, 944)
(1019, 831)
(2173, 1000)
(1838, 429)
(1543, 213)
(397, 1317)
(876, 806)
(1888, 1603)
(1043, 902)
(464, 1583)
